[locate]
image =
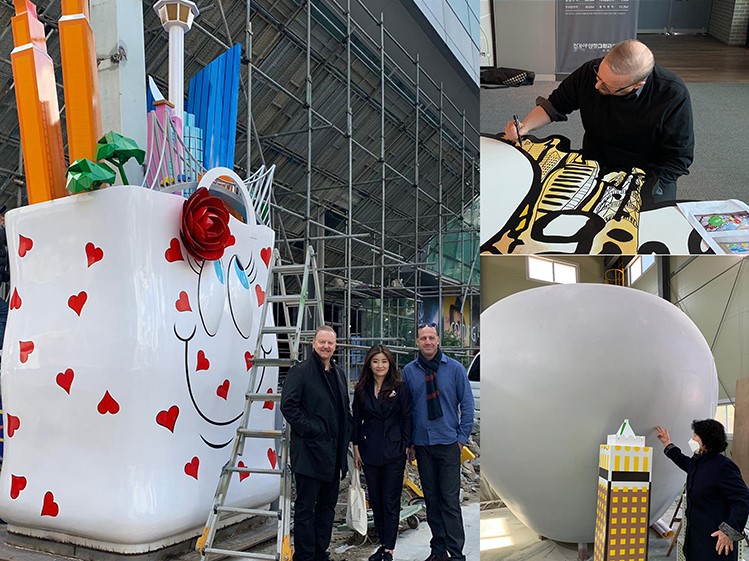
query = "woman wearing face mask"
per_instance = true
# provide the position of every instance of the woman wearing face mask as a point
(382, 433)
(717, 497)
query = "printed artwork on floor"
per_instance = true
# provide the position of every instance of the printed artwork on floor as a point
(572, 202)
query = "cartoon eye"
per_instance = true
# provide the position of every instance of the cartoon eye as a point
(242, 300)
(211, 291)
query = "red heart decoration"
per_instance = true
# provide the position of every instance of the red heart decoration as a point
(265, 254)
(26, 348)
(183, 302)
(191, 467)
(14, 423)
(231, 240)
(268, 404)
(174, 252)
(17, 484)
(260, 293)
(168, 418)
(93, 253)
(15, 300)
(223, 390)
(248, 356)
(108, 405)
(272, 457)
(77, 301)
(203, 362)
(65, 379)
(24, 245)
(242, 475)
(50, 507)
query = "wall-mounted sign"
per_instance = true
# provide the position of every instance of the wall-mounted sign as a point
(587, 29)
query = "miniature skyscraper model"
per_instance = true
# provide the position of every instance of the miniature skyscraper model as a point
(623, 506)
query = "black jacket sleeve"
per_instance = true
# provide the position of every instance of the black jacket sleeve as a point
(292, 408)
(674, 454)
(676, 147)
(736, 493)
(566, 98)
(356, 406)
(407, 424)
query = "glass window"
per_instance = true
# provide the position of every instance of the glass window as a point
(638, 266)
(724, 414)
(564, 273)
(549, 270)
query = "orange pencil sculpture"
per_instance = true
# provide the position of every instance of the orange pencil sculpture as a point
(38, 110)
(80, 80)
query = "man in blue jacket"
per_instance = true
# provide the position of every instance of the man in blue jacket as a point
(442, 405)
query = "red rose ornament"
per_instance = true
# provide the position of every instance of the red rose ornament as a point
(205, 226)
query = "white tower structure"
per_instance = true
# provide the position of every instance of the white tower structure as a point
(176, 17)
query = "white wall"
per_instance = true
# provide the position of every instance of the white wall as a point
(711, 289)
(525, 32)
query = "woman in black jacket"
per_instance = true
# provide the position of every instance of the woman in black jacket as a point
(717, 497)
(382, 433)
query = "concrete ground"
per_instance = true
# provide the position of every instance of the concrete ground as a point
(413, 545)
(505, 538)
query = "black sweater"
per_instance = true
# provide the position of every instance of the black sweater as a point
(652, 130)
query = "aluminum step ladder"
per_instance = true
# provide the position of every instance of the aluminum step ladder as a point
(293, 303)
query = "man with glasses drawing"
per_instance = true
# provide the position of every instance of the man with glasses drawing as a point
(635, 114)
(442, 409)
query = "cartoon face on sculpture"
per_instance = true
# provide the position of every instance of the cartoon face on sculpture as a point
(229, 293)
(567, 364)
(125, 370)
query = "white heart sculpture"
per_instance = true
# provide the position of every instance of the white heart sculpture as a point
(565, 366)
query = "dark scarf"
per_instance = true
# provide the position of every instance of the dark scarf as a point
(434, 407)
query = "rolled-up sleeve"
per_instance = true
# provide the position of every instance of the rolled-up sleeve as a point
(566, 97)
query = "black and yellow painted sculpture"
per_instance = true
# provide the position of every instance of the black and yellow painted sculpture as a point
(574, 205)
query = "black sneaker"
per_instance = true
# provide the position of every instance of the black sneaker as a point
(387, 556)
(435, 557)
(378, 555)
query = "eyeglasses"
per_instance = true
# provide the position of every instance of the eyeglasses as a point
(603, 84)
(430, 324)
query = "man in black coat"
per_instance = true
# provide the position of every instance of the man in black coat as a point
(315, 403)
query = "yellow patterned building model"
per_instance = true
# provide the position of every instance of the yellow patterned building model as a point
(81, 81)
(623, 505)
(38, 110)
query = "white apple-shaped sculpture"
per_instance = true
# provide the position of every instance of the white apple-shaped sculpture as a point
(565, 365)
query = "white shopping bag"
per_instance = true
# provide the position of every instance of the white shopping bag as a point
(356, 510)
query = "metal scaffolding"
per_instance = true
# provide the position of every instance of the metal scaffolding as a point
(376, 165)
(393, 107)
